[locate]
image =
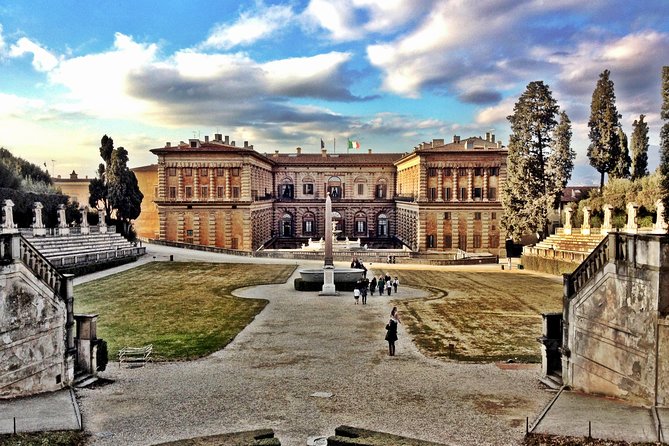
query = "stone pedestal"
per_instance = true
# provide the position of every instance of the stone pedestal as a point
(606, 226)
(567, 221)
(328, 282)
(631, 226)
(585, 227)
(660, 226)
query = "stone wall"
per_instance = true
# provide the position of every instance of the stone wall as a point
(32, 335)
(616, 330)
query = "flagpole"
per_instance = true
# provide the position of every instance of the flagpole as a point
(334, 145)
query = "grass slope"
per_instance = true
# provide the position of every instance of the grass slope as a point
(186, 310)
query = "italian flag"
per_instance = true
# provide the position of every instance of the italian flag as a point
(353, 144)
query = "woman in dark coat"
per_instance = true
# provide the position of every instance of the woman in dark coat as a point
(372, 286)
(391, 328)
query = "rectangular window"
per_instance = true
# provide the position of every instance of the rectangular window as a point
(447, 215)
(360, 227)
(204, 192)
(477, 215)
(189, 192)
(477, 192)
(492, 193)
(448, 172)
(308, 226)
(493, 171)
(234, 243)
(494, 241)
(448, 241)
(235, 192)
(493, 215)
(432, 172)
(463, 193)
(432, 193)
(172, 171)
(220, 171)
(462, 171)
(447, 194)
(361, 189)
(286, 191)
(430, 241)
(204, 171)
(308, 189)
(235, 171)
(478, 172)
(173, 192)
(220, 192)
(188, 171)
(477, 241)
(380, 191)
(462, 241)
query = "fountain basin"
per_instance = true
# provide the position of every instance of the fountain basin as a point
(315, 275)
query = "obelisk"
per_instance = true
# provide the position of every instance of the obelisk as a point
(328, 267)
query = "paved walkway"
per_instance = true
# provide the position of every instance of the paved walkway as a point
(46, 412)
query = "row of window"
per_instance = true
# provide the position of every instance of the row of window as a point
(463, 171)
(493, 241)
(204, 192)
(359, 225)
(201, 171)
(287, 191)
(477, 215)
(477, 193)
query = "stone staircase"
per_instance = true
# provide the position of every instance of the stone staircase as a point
(573, 248)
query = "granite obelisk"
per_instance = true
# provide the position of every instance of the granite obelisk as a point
(328, 267)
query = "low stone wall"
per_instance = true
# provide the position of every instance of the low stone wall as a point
(259, 437)
(353, 436)
(556, 267)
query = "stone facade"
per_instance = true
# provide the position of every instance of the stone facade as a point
(440, 197)
(616, 320)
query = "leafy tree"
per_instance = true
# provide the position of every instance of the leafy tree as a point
(539, 163)
(116, 186)
(639, 148)
(604, 149)
(622, 167)
(664, 143)
(8, 178)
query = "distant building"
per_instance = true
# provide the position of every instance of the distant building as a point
(75, 187)
(440, 197)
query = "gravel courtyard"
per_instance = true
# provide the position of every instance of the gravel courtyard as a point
(301, 344)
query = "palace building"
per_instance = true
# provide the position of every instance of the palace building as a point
(441, 197)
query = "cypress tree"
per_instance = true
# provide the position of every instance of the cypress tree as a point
(529, 191)
(561, 161)
(604, 148)
(639, 148)
(622, 167)
(664, 143)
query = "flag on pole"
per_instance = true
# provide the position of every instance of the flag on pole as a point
(322, 144)
(353, 144)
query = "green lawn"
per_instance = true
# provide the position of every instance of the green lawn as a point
(186, 310)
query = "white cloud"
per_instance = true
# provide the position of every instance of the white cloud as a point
(2, 43)
(286, 75)
(496, 114)
(249, 28)
(335, 16)
(43, 60)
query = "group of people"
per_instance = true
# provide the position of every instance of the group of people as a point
(383, 283)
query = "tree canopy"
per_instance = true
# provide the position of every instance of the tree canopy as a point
(604, 149)
(639, 148)
(664, 143)
(540, 161)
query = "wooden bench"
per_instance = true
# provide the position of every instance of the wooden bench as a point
(135, 356)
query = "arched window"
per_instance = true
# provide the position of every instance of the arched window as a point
(286, 189)
(360, 224)
(382, 225)
(308, 224)
(381, 188)
(308, 186)
(335, 188)
(287, 225)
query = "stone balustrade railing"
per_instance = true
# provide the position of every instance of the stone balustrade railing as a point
(589, 267)
(39, 265)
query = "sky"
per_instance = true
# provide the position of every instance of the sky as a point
(285, 74)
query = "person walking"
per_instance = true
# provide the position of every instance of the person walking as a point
(396, 283)
(391, 331)
(372, 286)
(356, 292)
(363, 290)
(389, 286)
(382, 285)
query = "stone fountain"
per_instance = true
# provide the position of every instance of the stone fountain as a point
(329, 275)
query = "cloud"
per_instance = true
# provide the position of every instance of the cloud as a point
(249, 28)
(43, 60)
(496, 114)
(3, 46)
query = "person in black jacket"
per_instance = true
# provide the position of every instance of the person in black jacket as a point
(391, 331)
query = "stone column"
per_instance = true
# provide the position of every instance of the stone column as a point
(102, 224)
(212, 183)
(38, 224)
(8, 226)
(585, 227)
(196, 183)
(228, 183)
(62, 221)
(660, 226)
(440, 184)
(180, 183)
(85, 229)
(456, 186)
(606, 226)
(631, 225)
(484, 191)
(470, 184)
(567, 220)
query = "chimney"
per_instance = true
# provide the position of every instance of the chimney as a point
(492, 137)
(246, 144)
(298, 150)
(227, 140)
(168, 144)
(276, 153)
(369, 151)
(487, 136)
(499, 144)
(232, 143)
(456, 138)
(73, 175)
(437, 142)
(469, 144)
(206, 138)
(218, 137)
(324, 153)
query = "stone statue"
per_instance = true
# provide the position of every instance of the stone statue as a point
(85, 229)
(567, 220)
(8, 225)
(585, 227)
(63, 229)
(38, 224)
(660, 226)
(632, 225)
(606, 226)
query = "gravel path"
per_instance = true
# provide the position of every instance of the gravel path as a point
(302, 344)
